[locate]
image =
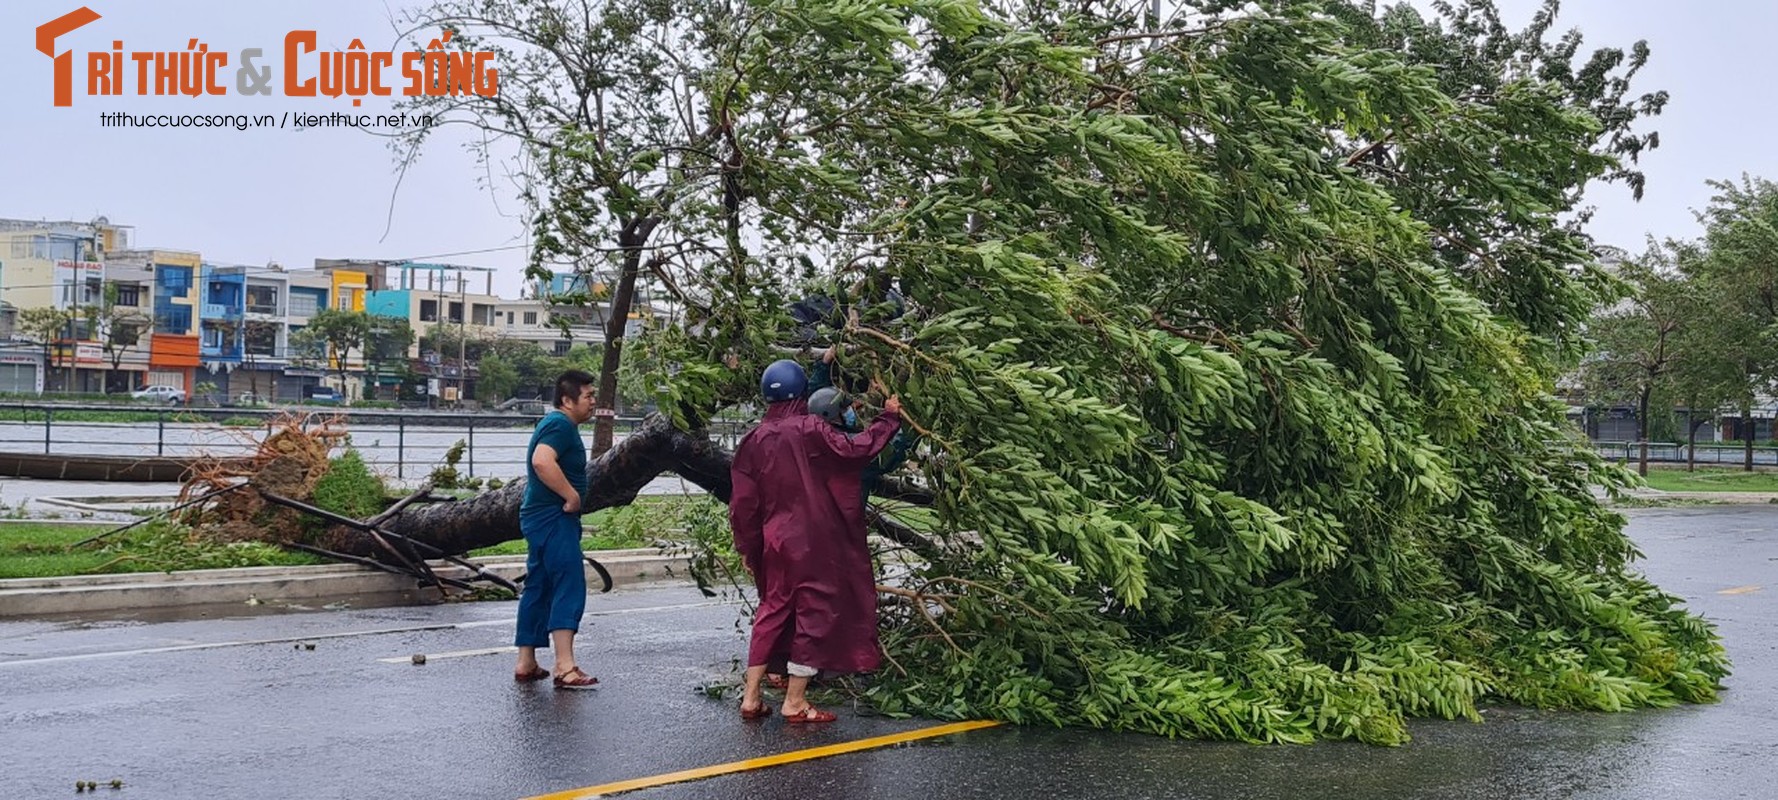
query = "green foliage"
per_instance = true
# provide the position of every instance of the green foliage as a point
(1234, 341)
(38, 550)
(350, 488)
(446, 476)
(167, 547)
(495, 378)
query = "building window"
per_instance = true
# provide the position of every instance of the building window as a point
(563, 346)
(262, 299)
(176, 280)
(172, 319)
(31, 247)
(456, 312)
(428, 310)
(530, 318)
(303, 304)
(129, 294)
(262, 339)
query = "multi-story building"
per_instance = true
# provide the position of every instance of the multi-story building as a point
(172, 280)
(52, 265)
(265, 337)
(135, 317)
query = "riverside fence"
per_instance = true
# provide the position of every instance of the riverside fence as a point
(409, 444)
(401, 444)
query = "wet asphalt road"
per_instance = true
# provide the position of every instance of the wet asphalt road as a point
(194, 708)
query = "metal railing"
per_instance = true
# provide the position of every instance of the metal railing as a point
(1730, 453)
(400, 443)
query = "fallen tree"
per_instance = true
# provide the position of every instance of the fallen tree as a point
(1233, 337)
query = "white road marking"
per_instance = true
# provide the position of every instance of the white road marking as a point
(430, 657)
(321, 636)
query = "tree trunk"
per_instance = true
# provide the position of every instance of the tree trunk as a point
(1642, 432)
(1691, 441)
(1747, 437)
(613, 479)
(622, 297)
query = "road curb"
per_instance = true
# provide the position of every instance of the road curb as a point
(33, 597)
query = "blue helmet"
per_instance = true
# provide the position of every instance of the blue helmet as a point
(783, 380)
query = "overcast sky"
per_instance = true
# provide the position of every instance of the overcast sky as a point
(250, 197)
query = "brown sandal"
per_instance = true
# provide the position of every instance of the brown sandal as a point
(576, 679)
(810, 714)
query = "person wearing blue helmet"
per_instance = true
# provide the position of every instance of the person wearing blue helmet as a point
(797, 513)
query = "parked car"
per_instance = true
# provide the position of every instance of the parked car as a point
(522, 405)
(324, 395)
(159, 393)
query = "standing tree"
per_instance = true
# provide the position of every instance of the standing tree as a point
(1741, 235)
(1232, 338)
(331, 337)
(624, 113)
(118, 328)
(495, 378)
(258, 338)
(1637, 339)
(47, 325)
(387, 340)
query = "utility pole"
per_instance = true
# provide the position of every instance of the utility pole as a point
(463, 335)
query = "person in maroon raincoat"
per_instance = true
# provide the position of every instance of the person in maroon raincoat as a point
(797, 513)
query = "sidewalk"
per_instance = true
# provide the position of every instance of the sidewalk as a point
(35, 597)
(1715, 498)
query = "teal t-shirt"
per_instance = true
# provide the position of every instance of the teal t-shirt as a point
(561, 434)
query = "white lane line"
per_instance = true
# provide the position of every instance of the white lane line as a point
(320, 636)
(489, 623)
(214, 645)
(485, 651)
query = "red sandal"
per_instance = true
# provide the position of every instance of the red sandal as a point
(761, 712)
(576, 679)
(808, 715)
(536, 674)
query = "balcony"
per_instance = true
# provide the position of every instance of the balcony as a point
(220, 311)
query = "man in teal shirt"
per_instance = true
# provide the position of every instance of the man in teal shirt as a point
(554, 598)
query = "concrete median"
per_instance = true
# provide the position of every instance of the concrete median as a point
(34, 597)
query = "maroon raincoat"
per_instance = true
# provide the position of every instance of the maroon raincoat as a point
(797, 511)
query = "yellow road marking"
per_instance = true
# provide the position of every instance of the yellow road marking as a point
(761, 763)
(1740, 590)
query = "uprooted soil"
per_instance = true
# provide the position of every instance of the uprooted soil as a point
(289, 461)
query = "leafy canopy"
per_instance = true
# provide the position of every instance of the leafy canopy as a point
(1232, 339)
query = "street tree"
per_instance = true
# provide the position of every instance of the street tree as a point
(386, 344)
(46, 325)
(1637, 339)
(330, 339)
(1231, 336)
(119, 329)
(626, 151)
(495, 378)
(1741, 271)
(259, 338)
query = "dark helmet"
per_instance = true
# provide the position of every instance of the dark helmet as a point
(783, 380)
(830, 404)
